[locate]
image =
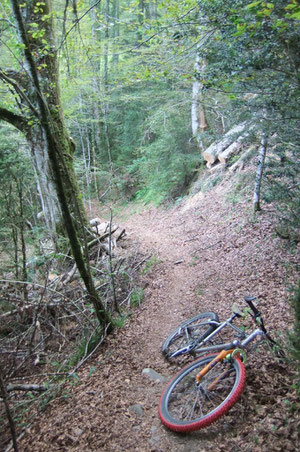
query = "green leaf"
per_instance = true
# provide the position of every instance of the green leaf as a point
(253, 5)
(291, 6)
(295, 15)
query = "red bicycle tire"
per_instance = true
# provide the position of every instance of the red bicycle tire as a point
(189, 426)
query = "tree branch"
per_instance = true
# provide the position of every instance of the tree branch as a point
(18, 90)
(14, 119)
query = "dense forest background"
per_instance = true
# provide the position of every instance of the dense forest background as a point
(116, 101)
(126, 75)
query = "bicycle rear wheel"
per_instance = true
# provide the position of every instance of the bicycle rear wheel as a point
(188, 332)
(186, 406)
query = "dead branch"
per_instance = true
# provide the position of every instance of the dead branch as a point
(86, 357)
(26, 387)
(142, 261)
(120, 235)
(209, 246)
(69, 275)
(191, 240)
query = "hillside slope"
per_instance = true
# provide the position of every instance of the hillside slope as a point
(208, 254)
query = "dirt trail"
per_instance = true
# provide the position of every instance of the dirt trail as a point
(208, 256)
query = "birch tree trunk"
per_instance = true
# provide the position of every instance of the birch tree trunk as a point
(39, 157)
(98, 95)
(197, 110)
(116, 29)
(259, 173)
(45, 182)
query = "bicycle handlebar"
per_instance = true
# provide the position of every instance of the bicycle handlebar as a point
(249, 300)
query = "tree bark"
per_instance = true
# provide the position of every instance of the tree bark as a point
(197, 110)
(116, 29)
(259, 173)
(233, 149)
(59, 147)
(26, 387)
(40, 161)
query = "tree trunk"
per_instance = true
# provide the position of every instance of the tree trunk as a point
(259, 173)
(235, 147)
(199, 124)
(45, 182)
(116, 30)
(60, 149)
(40, 160)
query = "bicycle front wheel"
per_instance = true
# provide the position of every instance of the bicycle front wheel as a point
(186, 405)
(196, 328)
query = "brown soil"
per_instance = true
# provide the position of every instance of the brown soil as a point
(209, 254)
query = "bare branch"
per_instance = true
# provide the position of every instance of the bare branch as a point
(28, 387)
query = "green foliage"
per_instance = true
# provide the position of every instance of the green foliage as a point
(84, 348)
(282, 187)
(199, 291)
(150, 264)
(253, 58)
(295, 335)
(242, 188)
(120, 320)
(166, 165)
(136, 297)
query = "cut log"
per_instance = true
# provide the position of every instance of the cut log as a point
(216, 169)
(239, 165)
(232, 150)
(212, 152)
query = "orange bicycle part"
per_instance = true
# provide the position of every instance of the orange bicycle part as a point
(222, 355)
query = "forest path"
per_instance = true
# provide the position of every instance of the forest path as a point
(207, 256)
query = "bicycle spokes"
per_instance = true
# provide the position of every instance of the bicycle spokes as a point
(191, 400)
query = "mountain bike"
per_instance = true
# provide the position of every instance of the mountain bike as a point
(206, 389)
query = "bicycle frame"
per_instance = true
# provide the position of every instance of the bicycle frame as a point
(227, 346)
(225, 352)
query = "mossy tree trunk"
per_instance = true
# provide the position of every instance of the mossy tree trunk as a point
(42, 66)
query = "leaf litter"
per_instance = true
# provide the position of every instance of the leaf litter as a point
(224, 255)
